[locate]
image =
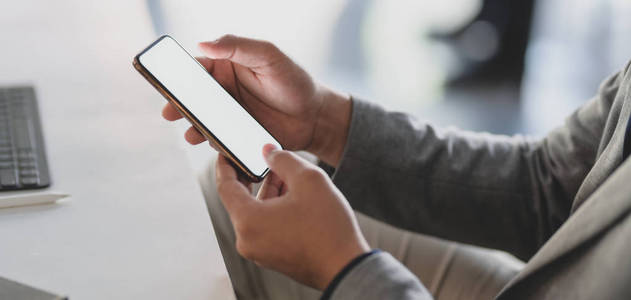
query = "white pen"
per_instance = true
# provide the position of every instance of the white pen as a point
(16, 200)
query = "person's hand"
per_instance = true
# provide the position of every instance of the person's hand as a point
(299, 224)
(300, 114)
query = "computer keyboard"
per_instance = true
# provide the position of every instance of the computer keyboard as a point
(22, 158)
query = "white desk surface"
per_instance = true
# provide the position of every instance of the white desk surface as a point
(136, 226)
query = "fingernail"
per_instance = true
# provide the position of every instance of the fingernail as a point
(215, 41)
(269, 149)
(202, 45)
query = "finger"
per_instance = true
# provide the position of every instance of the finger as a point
(272, 187)
(171, 113)
(239, 177)
(234, 195)
(245, 180)
(213, 145)
(193, 136)
(224, 171)
(244, 51)
(285, 164)
(207, 63)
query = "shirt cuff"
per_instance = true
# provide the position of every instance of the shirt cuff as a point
(338, 278)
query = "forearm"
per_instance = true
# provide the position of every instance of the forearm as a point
(503, 192)
(510, 193)
(443, 183)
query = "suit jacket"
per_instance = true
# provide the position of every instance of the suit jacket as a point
(561, 202)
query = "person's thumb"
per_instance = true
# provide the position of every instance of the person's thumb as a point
(250, 53)
(286, 165)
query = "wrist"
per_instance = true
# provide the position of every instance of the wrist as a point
(339, 262)
(331, 128)
(332, 286)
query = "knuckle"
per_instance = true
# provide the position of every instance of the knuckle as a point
(228, 36)
(244, 249)
(273, 54)
(270, 46)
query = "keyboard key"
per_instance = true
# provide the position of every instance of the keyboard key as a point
(26, 156)
(27, 164)
(22, 133)
(28, 181)
(7, 178)
(29, 173)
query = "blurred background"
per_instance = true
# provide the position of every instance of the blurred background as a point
(489, 65)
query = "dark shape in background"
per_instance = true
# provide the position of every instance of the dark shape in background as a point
(493, 45)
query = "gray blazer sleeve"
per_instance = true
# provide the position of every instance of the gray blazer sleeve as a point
(380, 276)
(509, 193)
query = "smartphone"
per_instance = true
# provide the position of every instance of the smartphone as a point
(184, 82)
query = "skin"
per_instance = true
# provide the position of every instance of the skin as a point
(299, 224)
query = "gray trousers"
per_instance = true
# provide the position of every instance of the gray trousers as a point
(449, 270)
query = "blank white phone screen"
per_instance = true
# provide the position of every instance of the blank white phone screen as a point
(191, 84)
